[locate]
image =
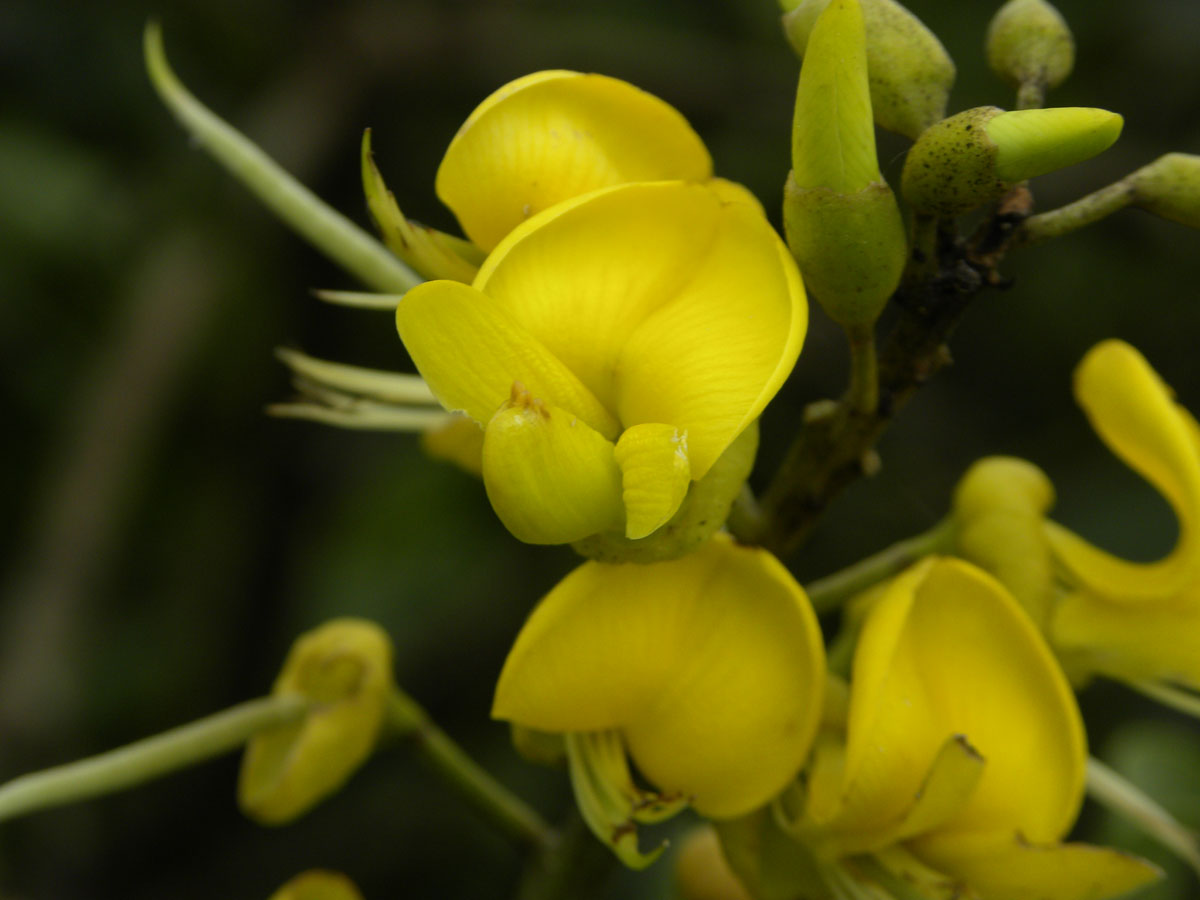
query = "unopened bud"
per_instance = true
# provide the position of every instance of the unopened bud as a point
(910, 71)
(344, 669)
(318, 884)
(1028, 42)
(968, 159)
(1170, 187)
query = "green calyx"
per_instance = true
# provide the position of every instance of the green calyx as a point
(702, 513)
(971, 158)
(1170, 187)
(910, 73)
(1029, 42)
(851, 248)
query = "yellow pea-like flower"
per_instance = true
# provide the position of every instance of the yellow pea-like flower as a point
(1135, 620)
(963, 752)
(648, 324)
(707, 670)
(344, 668)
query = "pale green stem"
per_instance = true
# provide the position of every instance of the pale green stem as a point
(1084, 211)
(407, 720)
(1031, 95)
(325, 228)
(1180, 700)
(864, 370)
(360, 300)
(829, 592)
(147, 759)
(1113, 791)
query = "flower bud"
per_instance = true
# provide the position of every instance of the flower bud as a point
(970, 158)
(1170, 187)
(841, 219)
(344, 668)
(1028, 42)
(318, 884)
(910, 71)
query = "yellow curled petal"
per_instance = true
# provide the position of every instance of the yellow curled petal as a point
(711, 666)
(1013, 869)
(1129, 642)
(1132, 410)
(551, 136)
(655, 475)
(345, 668)
(1000, 508)
(318, 884)
(470, 351)
(672, 304)
(947, 651)
(550, 478)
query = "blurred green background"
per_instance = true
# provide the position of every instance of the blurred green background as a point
(167, 541)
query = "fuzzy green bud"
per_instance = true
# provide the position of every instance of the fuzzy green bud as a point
(1170, 187)
(973, 157)
(909, 70)
(1028, 42)
(841, 219)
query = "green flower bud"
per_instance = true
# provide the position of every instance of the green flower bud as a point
(344, 668)
(968, 159)
(318, 884)
(702, 513)
(1170, 187)
(1028, 42)
(909, 70)
(841, 219)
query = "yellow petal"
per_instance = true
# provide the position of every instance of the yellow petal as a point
(1000, 510)
(550, 478)
(345, 668)
(701, 870)
(459, 441)
(1132, 410)
(655, 475)
(711, 666)
(672, 304)
(1124, 641)
(470, 351)
(947, 651)
(1012, 869)
(554, 135)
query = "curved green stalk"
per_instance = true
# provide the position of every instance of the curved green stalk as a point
(147, 759)
(324, 227)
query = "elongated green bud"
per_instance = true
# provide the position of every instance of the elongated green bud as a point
(841, 219)
(1028, 42)
(910, 71)
(968, 159)
(1170, 187)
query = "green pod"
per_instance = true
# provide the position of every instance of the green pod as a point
(851, 248)
(1170, 187)
(910, 71)
(702, 513)
(973, 157)
(1029, 42)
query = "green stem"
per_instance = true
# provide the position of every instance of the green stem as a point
(147, 759)
(831, 591)
(745, 520)
(922, 254)
(1113, 791)
(577, 869)
(406, 719)
(324, 227)
(1182, 701)
(863, 395)
(1084, 211)
(1031, 95)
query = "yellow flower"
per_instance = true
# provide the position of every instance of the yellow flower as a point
(708, 670)
(963, 758)
(613, 347)
(1135, 620)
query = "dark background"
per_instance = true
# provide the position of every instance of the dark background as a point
(167, 541)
